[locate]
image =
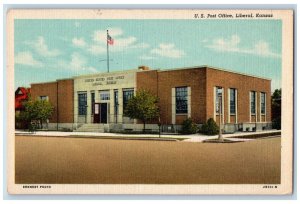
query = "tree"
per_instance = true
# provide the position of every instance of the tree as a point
(142, 106)
(189, 126)
(210, 127)
(40, 110)
(276, 109)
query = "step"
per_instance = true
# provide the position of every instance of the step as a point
(92, 125)
(90, 130)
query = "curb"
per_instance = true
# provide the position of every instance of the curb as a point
(103, 137)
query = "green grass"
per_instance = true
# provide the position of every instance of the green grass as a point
(262, 135)
(130, 138)
(112, 137)
(218, 141)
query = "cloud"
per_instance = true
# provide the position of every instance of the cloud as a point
(42, 49)
(77, 63)
(146, 57)
(96, 49)
(99, 45)
(25, 58)
(124, 42)
(262, 48)
(79, 42)
(168, 50)
(222, 44)
(232, 44)
(140, 45)
(121, 41)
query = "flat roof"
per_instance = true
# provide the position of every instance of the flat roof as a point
(107, 73)
(48, 82)
(215, 68)
(158, 70)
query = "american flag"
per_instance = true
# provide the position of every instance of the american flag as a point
(110, 40)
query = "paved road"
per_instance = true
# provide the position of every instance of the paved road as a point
(110, 161)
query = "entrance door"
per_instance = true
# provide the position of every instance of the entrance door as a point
(103, 113)
(97, 113)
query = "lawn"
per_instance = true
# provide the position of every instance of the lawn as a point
(57, 160)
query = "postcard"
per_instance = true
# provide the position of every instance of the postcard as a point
(130, 101)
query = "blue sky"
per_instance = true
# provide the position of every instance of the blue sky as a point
(46, 50)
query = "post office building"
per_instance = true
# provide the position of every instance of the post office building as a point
(96, 102)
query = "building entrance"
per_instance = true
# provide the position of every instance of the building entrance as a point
(103, 112)
(100, 113)
(96, 113)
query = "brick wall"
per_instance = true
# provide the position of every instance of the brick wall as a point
(194, 78)
(60, 95)
(202, 82)
(244, 84)
(66, 101)
(147, 80)
(46, 89)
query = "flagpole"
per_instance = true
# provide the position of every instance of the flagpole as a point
(107, 51)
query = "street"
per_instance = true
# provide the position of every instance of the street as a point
(55, 160)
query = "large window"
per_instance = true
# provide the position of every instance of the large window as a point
(127, 94)
(219, 99)
(252, 103)
(181, 100)
(232, 102)
(44, 98)
(116, 102)
(93, 102)
(82, 104)
(104, 95)
(263, 103)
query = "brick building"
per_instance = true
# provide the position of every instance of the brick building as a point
(96, 102)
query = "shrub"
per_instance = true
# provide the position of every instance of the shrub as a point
(189, 127)
(276, 123)
(210, 127)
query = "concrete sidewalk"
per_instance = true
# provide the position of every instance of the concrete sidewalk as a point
(187, 138)
(201, 138)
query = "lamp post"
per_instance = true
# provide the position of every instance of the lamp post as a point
(220, 118)
(159, 125)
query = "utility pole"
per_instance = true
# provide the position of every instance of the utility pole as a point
(220, 118)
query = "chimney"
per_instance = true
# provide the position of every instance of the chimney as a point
(143, 68)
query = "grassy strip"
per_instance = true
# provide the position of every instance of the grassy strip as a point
(112, 137)
(254, 136)
(134, 138)
(218, 141)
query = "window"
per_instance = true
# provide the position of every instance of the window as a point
(181, 100)
(116, 102)
(104, 95)
(82, 105)
(219, 98)
(127, 94)
(93, 102)
(263, 103)
(252, 102)
(44, 98)
(232, 101)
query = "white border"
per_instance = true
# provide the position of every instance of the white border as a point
(218, 188)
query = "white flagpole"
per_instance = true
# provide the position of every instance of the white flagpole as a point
(107, 52)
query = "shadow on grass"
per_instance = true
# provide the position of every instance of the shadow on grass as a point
(220, 141)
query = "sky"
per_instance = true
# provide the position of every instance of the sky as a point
(46, 50)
